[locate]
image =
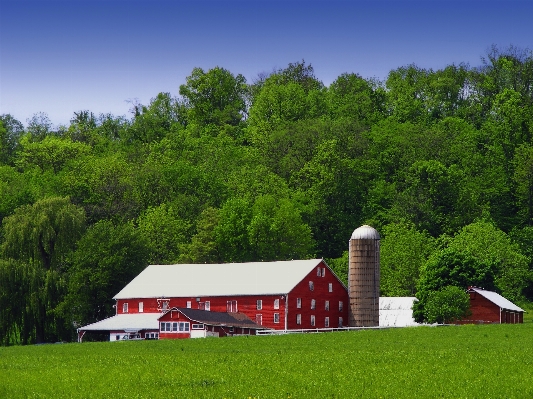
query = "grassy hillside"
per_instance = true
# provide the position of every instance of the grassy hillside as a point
(459, 361)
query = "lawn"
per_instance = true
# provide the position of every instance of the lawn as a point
(473, 361)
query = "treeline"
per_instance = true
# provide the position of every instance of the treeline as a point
(283, 167)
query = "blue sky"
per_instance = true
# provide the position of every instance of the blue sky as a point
(60, 57)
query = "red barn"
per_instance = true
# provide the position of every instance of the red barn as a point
(490, 307)
(283, 295)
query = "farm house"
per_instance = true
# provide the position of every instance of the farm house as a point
(490, 307)
(283, 295)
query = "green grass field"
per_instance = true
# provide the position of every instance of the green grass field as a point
(481, 361)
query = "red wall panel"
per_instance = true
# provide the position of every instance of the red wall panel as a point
(320, 294)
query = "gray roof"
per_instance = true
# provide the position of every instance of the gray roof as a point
(126, 322)
(365, 233)
(197, 280)
(497, 299)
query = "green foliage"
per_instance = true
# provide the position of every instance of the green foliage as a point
(403, 252)
(107, 257)
(203, 247)
(214, 97)
(354, 97)
(165, 233)
(50, 154)
(11, 131)
(43, 233)
(266, 229)
(447, 305)
(340, 267)
(40, 238)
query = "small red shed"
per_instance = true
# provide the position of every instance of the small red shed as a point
(193, 323)
(491, 307)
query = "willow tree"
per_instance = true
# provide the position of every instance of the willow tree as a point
(39, 238)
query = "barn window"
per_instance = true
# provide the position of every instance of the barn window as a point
(326, 322)
(125, 307)
(323, 272)
(330, 287)
(197, 326)
(298, 303)
(259, 304)
(165, 327)
(318, 271)
(311, 286)
(141, 307)
(340, 306)
(313, 304)
(340, 321)
(313, 320)
(276, 303)
(231, 329)
(298, 318)
(184, 326)
(189, 304)
(259, 319)
(276, 317)
(231, 306)
(207, 306)
(174, 327)
(327, 305)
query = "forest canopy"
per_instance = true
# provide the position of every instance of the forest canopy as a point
(282, 167)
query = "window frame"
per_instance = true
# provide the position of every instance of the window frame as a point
(125, 307)
(259, 304)
(276, 303)
(276, 318)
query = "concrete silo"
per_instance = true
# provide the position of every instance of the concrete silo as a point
(363, 277)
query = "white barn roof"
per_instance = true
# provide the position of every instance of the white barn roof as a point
(197, 280)
(132, 322)
(497, 299)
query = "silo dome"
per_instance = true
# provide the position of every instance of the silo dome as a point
(365, 233)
